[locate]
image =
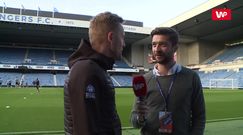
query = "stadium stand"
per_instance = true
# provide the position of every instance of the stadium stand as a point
(62, 56)
(122, 80)
(121, 64)
(43, 56)
(224, 70)
(219, 74)
(49, 57)
(37, 56)
(46, 79)
(39, 46)
(40, 56)
(12, 55)
(231, 53)
(222, 79)
(9, 76)
(60, 79)
(34, 54)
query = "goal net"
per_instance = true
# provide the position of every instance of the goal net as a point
(222, 83)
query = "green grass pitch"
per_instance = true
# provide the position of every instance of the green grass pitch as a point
(25, 110)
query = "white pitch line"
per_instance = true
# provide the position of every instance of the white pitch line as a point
(226, 119)
(123, 128)
(32, 132)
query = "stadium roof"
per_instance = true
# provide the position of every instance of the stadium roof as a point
(197, 24)
(43, 28)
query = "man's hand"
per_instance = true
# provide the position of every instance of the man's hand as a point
(142, 111)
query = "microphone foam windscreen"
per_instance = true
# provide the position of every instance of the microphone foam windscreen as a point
(139, 86)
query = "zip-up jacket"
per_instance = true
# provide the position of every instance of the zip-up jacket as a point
(89, 96)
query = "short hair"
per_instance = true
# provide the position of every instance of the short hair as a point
(101, 24)
(167, 31)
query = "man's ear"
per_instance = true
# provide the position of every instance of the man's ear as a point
(110, 36)
(175, 48)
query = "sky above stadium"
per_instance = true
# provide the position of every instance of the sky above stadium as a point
(151, 12)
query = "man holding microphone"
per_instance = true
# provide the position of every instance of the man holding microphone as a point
(174, 102)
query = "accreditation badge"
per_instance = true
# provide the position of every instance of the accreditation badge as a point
(165, 121)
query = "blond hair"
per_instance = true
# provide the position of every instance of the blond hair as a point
(101, 24)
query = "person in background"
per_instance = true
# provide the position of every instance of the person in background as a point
(37, 85)
(17, 82)
(1, 82)
(174, 103)
(89, 95)
(22, 83)
(9, 83)
(26, 84)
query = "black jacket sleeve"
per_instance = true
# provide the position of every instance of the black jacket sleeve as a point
(83, 89)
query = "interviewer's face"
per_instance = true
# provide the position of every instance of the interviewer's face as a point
(162, 48)
(118, 43)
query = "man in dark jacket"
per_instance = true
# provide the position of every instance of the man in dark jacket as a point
(89, 94)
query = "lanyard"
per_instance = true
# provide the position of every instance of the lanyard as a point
(166, 97)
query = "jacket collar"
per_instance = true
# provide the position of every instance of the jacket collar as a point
(85, 51)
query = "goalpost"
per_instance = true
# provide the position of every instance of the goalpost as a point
(222, 83)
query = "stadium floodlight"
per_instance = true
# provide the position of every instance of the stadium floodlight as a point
(21, 9)
(38, 10)
(4, 7)
(55, 10)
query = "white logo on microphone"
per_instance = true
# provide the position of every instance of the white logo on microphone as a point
(138, 86)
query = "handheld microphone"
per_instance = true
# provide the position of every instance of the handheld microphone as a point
(140, 90)
(139, 86)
